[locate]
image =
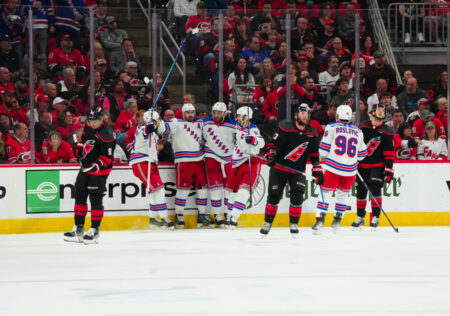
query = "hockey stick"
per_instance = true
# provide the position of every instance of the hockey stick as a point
(249, 162)
(371, 195)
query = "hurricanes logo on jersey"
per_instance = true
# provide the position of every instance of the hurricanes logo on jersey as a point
(88, 147)
(297, 152)
(372, 145)
(404, 153)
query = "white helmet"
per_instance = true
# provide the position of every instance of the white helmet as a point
(220, 107)
(344, 113)
(245, 111)
(303, 108)
(187, 107)
(150, 116)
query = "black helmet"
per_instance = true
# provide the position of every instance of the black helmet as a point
(95, 113)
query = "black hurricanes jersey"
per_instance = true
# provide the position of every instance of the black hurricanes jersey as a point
(380, 145)
(98, 148)
(294, 146)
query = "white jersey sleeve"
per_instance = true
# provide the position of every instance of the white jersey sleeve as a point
(187, 142)
(242, 150)
(342, 146)
(432, 150)
(145, 145)
(219, 139)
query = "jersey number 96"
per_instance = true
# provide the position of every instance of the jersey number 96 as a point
(345, 146)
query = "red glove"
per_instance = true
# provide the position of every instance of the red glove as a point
(388, 175)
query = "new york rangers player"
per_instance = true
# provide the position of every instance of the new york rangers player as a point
(342, 146)
(143, 153)
(246, 169)
(188, 151)
(218, 134)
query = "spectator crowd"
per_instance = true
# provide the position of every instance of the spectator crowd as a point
(322, 73)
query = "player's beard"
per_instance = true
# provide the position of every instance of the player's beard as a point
(302, 123)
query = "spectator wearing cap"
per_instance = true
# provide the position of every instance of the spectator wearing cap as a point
(300, 36)
(397, 119)
(405, 146)
(375, 98)
(5, 80)
(70, 15)
(380, 69)
(58, 106)
(8, 57)
(18, 145)
(12, 24)
(67, 87)
(254, 55)
(112, 37)
(41, 105)
(433, 146)
(422, 104)
(426, 116)
(442, 114)
(408, 100)
(303, 64)
(43, 21)
(119, 59)
(12, 108)
(65, 55)
(56, 149)
(324, 40)
(41, 129)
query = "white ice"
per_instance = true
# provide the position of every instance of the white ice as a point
(220, 272)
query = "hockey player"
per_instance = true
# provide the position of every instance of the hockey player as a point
(376, 168)
(342, 146)
(287, 155)
(96, 163)
(143, 152)
(189, 165)
(218, 134)
(246, 169)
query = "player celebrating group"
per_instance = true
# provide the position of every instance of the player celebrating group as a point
(219, 137)
(188, 151)
(96, 163)
(246, 168)
(342, 146)
(376, 168)
(143, 153)
(292, 144)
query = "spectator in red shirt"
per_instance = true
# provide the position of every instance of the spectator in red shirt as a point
(18, 145)
(126, 119)
(66, 54)
(405, 146)
(64, 124)
(265, 87)
(3, 153)
(418, 129)
(113, 103)
(442, 114)
(56, 150)
(5, 80)
(12, 108)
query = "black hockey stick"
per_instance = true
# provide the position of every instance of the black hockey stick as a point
(373, 198)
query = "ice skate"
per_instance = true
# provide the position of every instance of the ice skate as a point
(318, 225)
(336, 222)
(168, 223)
(227, 220)
(374, 223)
(203, 221)
(180, 221)
(294, 230)
(91, 236)
(156, 222)
(265, 229)
(75, 235)
(219, 220)
(358, 224)
(233, 222)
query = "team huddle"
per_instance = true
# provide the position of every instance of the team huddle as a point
(220, 157)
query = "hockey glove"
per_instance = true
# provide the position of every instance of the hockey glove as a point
(150, 128)
(317, 172)
(270, 157)
(412, 143)
(388, 175)
(251, 140)
(92, 168)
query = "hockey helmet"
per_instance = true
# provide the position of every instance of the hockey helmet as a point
(303, 108)
(188, 107)
(379, 105)
(220, 107)
(95, 113)
(344, 113)
(150, 116)
(245, 111)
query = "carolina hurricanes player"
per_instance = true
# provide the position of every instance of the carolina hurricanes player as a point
(376, 168)
(342, 146)
(143, 152)
(218, 134)
(188, 151)
(248, 142)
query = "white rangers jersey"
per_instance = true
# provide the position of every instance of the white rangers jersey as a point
(187, 143)
(342, 146)
(327, 80)
(432, 150)
(142, 150)
(242, 150)
(219, 139)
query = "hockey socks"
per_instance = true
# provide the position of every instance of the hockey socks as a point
(361, 207)
(322, 206)
(216, 201)
(96, 218)
(202, 200)
(80, 214)
(375, 209)
(271, 211)
(180, 200)
(240, 202)
(294, 213)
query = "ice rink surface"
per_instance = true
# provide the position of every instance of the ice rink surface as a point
(221, 272)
